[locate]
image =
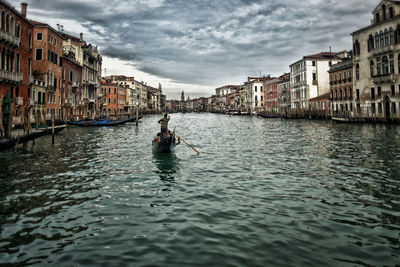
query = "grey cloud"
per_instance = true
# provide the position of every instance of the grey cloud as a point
(206, 42)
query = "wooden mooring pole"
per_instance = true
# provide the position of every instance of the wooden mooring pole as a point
(52, 126)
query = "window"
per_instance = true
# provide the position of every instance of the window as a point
(18, 30)
(373, 110)
(371, 68)
(385, 65)
(115, 90)
(17, 64)
(378, 66)
(314, 75)
(393, 89)
(386, 37)
(370, 43)
(394, 108)
(255, 88)
(109, 100)
(115, 101)
(390, 12)
(39, 36)
(372, 93)
(379, 91)
(109, 91)
(357, 94)
(356, 48)
(39, 54)
(381, 39)
(357, 72)
(55, 41)
(391, 36)
(30, 40)
(313, 63)
(391, 63)
(261, 89)
(380, 108)
(376, 40)
(377, 19)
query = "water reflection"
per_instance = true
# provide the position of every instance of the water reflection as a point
(167, 165)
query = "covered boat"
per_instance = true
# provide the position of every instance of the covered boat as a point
(164, 143)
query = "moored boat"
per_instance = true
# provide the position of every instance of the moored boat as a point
(98, 123)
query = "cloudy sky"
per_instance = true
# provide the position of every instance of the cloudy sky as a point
(199, 45)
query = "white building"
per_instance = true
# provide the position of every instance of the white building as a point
(309, 78)
(254, 94)
(376, 86)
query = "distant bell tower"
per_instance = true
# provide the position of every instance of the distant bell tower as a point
(183, 96)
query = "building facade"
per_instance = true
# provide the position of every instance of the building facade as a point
(15, 63)
(341, 92)
(376, 66)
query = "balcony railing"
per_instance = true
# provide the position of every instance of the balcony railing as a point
(382, 50)
(31, 79)
(8, 76)
(384, 78)
(8, 38)
(50, 88)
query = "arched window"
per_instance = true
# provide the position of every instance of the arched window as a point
(398, 62)
(12, 26)
(18, 30)
(29, 66)
(3, 60)
(391, 36)
(2, 20)
(12, 62)
(381, 39)
(356, 48)
(17, 64)
(385, 65)
(30, 40)
(357, 71)
(371, 68)
(370, 43)
(7, 23)
(386, 37)
(376, 40)
(384, 12)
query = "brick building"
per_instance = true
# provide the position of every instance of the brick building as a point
(47, 70)
(72, 104)
(15, 60)
(114, 99)
(341, 88)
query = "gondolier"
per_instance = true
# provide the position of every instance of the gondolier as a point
(164, 123)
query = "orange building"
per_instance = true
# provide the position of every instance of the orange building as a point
(47, 61)
(114, 98)
(15, 59)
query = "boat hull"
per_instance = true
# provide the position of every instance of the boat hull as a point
(101, 123)
(164, 144)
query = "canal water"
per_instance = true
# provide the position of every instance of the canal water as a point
(263, 192)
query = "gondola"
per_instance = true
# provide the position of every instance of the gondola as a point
(164, 143)
(98, 123)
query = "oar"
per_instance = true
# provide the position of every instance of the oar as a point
(187, 144)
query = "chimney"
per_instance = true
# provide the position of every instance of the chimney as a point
(81, 39)
(23, 9)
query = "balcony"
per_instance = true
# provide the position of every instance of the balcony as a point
(50, 88)
(19, 101)
(8, 38)
(74, 84)
(384, 78)
(31, 79)
(382, 50)
(315, 82)
(31, 102)
(11, 77)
